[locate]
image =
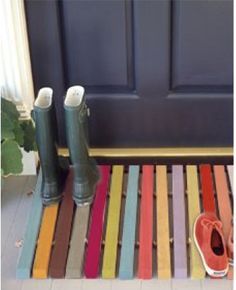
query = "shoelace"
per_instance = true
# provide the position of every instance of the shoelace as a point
(214, 224)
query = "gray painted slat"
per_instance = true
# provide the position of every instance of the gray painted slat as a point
(27, 254)
(179, 225)
(9, 260)
(230, 169)
(77, 244)
(10, 200)
(126, 270)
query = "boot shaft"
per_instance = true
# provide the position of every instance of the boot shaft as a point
(76, 117)
(86, 173)
(45, 124)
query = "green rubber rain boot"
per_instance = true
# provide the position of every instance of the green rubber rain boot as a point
(45, 123)
(86, 173)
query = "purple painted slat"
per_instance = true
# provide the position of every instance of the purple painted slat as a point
(180, 247)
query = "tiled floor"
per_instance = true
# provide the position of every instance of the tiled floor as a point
(16, 203)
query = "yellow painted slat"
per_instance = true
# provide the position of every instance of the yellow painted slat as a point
(43, 251)
(113, 218)
(163, 233)
(196, 267)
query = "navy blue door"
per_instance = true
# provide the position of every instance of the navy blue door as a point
(156, 73)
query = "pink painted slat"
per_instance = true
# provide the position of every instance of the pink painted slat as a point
(146, 223)
(91, 264)
(179, 224)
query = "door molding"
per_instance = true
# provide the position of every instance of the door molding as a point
(157, 152)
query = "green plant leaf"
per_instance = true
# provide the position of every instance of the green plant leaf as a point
(7, 126)
(10, 109)
(19, 133)
(29, 136)
(11, 158)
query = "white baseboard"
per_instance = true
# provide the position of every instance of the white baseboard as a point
(29, 159)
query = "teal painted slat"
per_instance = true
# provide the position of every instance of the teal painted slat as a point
(126, 270)
(26, 257)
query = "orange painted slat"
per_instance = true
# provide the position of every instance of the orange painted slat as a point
(146, 223)
(43, 251)
(224, 205)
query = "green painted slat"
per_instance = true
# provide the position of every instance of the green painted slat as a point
(26, 257)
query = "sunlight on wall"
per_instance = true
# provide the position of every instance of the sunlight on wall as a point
(16, 82)
(15, 70)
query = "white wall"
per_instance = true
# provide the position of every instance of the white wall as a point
(15, 68)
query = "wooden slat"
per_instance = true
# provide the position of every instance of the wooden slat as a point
(224, 205)
(77, 245)
(113, 218)
(230, 170)
(179, 224)
(163, 232)
(207, 188)
(43, 251)
(26, 257)
(146, 223)
(162, 217)
(58, 259)
(197, 270)
(126, 270)
(92, 257)
(208, 199)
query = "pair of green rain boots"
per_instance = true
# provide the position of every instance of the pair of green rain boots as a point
(85, 170)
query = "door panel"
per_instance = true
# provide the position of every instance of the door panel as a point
(202, 43)
(97, 51)
(153, 75)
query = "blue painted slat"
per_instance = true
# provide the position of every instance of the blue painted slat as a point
(128, 239)
(26, 257)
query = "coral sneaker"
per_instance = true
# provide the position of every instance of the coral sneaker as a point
(210, 243)
(230, 245)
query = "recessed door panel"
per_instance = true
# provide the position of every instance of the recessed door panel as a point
(156, 73)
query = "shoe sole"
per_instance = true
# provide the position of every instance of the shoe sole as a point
(211, 272)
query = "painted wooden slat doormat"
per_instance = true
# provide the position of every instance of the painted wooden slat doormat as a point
(139, 226)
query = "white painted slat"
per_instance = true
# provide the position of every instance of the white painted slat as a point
(155, 284)
(74, 267)
(10, 199)
(217, 284)
(33, 284)
(9, 260)
(230, 169)
(66, 284)
(186, 284)
(96, 284)
(134, 284)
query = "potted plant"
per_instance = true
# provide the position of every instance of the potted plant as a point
(16, 133)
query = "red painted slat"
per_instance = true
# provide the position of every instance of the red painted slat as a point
(92, 257)
(146, 223)
(207, 188)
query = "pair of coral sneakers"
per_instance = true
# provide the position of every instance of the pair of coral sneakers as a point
(215, 251)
